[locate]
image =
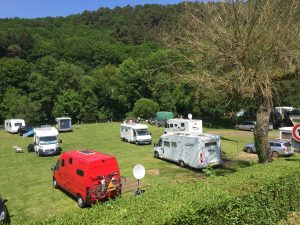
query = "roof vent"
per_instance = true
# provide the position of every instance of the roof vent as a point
(86, 152)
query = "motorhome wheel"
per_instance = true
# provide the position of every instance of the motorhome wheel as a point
(80, 201)
(181, 164)
(156, 155)
(30, 148)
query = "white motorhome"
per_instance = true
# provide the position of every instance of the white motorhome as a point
(64, 124)
(183, 125)
(135, 133)
(190, 149)
(46, 141)
(286, 133)
(13, 125)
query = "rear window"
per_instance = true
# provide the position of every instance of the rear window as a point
(287, 144)
(18, 124)
(210, 144)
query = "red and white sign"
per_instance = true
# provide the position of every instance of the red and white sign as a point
(296, 132)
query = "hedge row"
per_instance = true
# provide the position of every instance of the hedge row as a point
(260, 194)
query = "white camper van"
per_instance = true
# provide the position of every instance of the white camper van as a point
(46, 141)
(183, 125)
(190, 149)
(64, 124)
(13, 125)
(135, 133)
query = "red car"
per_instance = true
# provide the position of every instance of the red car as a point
(88, 175)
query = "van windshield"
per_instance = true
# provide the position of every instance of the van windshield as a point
(48, 140)
(142, 132)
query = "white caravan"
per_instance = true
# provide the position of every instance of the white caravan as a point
(190, 149)
(46, 141)
(13, 125)
(64, 124)
(135, 133)
(183, 125)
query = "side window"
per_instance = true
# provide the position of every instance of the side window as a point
(271, 144)
(174, 144)
(80, 172)
(182, 124)
(166, 144)
(171, 125)
(62, 163)
(175, 124)
(57, 164)
(277, 145)
(70, 160)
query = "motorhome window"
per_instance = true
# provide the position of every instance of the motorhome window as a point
(80, 172)
(70, 160)
(210, 144)
(174, 144)
(142, 132)
(182, 124)
(175, 125)
(62, 162)
(166, 144)
(171, 125)
(18, 124)
(48, 140)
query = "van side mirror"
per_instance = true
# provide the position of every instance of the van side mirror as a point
(150, 133)
(60, 141)
(4, 200)
(53, 167)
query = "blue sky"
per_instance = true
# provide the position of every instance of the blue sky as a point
(44, 8)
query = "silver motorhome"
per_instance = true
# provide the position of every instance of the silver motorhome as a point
(190, 149)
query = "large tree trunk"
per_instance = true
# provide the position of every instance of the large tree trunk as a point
(262, 129)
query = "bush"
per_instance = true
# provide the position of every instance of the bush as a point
(260, 194)
(145, 108)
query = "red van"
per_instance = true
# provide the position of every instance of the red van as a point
(88, 175)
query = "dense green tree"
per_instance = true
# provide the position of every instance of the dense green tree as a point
(69, 103)
(145, 108)
(89, 110)
(17, 105)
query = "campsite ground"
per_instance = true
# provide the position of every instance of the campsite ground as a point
(26, 178)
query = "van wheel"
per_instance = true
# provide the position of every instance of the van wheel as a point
(248, 150)
(30, 148)
(156, 155)
(181, 164)
(275, 154)
(54, 183)
(80, 202)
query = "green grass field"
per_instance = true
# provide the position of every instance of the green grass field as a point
(26, 178)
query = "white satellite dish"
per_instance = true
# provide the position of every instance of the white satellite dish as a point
(190, 116)
(139, 171)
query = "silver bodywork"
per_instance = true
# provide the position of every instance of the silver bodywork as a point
(282, 147)
(193, 150)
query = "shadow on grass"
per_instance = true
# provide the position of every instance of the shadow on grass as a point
(228, 139)
(232, 166)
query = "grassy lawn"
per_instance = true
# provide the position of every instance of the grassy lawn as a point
(26, 178)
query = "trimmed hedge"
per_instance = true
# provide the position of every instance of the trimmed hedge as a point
(260, 194)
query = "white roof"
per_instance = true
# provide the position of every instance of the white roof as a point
(15, 120)
(183, 120)
(45, 131)
(202, 136)
(286, 129)
(135, 126)
(62, 118)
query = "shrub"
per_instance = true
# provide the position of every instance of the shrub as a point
(260, 194)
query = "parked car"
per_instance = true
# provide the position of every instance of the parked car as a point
(88, 175)
(249, 125)
(4, 216)
(24, 129)
(278, 148)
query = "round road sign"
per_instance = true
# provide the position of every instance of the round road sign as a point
(296, 132)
